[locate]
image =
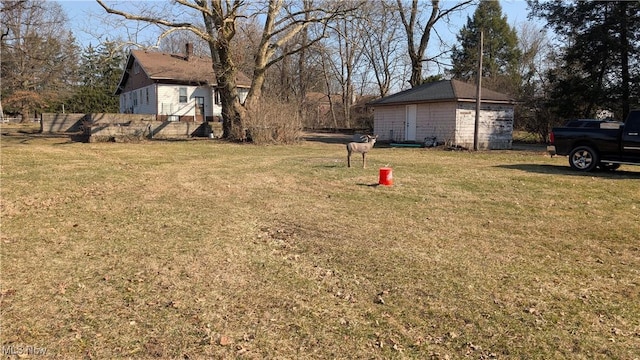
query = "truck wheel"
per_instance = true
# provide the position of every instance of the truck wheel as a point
(583, 158)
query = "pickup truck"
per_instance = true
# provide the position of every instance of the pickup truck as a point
(592, 144)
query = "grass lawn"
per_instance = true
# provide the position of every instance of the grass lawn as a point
(204, 249)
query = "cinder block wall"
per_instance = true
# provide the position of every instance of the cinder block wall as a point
(110, 118)
(101, 127)
(175, 129)
(147, 129)
(57, 123)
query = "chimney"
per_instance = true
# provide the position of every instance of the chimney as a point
(188, 51)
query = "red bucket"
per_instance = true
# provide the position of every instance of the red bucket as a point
(386, 176)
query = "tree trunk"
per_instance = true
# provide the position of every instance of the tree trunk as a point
(416, 71)
(223, 66)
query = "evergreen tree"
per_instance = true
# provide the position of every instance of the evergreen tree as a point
(39, 56)
(600, 61)
(500, 49)
(100, 72)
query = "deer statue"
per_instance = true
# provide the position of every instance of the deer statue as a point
(362, 147)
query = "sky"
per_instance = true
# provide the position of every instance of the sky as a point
(86, 20)
(84, 17)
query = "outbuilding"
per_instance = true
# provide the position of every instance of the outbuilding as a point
(445, 112)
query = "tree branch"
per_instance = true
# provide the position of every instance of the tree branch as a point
(292, 52)
(147, 19)
(199, 5)
(173, 25)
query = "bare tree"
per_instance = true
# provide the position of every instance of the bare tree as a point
(533, 113)
(383, 45)
(534, 48)
(300, 72)
(174, 43)
(283, 21)
(327, 79)
(246, 43)
(345, 59)
(411, 17)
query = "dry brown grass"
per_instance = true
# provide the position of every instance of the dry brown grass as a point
(204, 249)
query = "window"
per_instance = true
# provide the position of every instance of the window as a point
(183, 95)
(633, 122)
(218, 101)
(242, 94)
(135, 98)
(147, 92)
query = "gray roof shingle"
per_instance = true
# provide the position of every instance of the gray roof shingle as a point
(444, 90)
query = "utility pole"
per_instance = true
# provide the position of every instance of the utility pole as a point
(478, 93)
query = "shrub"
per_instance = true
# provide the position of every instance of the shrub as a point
(273, 122)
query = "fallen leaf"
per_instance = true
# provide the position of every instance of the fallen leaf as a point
(224, 340)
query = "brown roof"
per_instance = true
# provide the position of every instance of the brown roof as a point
(444, 90)
(176, 69)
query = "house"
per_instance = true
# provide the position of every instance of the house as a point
(175, 87)
(445, 110)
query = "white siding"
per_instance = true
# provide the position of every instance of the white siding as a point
(433, 119)
(495, 130)
(147, 100)
(436, 120)
(388, 122)
(450, 122)
(139, 101)
(167, 100)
